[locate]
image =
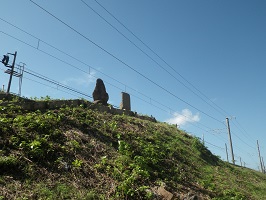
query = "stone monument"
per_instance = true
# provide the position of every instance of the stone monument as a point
(125, 104)
(99, 94)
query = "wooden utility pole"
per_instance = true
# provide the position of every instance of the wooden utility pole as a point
(260, 156)
(226, 152)
(230, 140)
(11, 73)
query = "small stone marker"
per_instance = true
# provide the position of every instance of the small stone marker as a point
(125, 104)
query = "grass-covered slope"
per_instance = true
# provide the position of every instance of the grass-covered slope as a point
(78, 153)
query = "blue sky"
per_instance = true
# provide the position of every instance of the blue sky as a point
(196, 63)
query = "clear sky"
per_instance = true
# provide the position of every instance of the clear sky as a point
(191, 63)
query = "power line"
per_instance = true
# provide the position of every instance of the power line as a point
(243, 141)
(221, 148)
(125, 64)
(57, 83)
(245, 133)
(50, 86)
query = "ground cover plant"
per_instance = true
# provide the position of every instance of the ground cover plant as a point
(81, 153)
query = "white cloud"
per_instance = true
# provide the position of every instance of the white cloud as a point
(84, 80)
(185, 116)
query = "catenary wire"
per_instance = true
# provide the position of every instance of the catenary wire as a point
(50, 86)
(242, 140)
(57, 83)
(240, 128)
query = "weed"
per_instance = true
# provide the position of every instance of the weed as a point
(77, 163)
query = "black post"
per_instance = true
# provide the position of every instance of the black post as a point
(11, 74)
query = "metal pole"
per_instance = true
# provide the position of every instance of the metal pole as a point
(11, 74)
(230, 140)
(226, 152)
(259, 156)
(21, 70)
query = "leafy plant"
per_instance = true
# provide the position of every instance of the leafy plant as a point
(77, 163)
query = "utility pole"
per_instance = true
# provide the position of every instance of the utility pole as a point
(263, 165)
(240, 161)
(11, 73)
(226, 152)
(203, 139)
(20, 75)
(260, 156)
(230, 140)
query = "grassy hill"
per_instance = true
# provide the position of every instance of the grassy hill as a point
(81, 153)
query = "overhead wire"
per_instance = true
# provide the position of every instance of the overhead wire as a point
(57, 83)
(242, 140)
(240, 128)
(50, 86)
(122, 62)
(221, 148)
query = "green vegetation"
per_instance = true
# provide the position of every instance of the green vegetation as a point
(78, 153)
